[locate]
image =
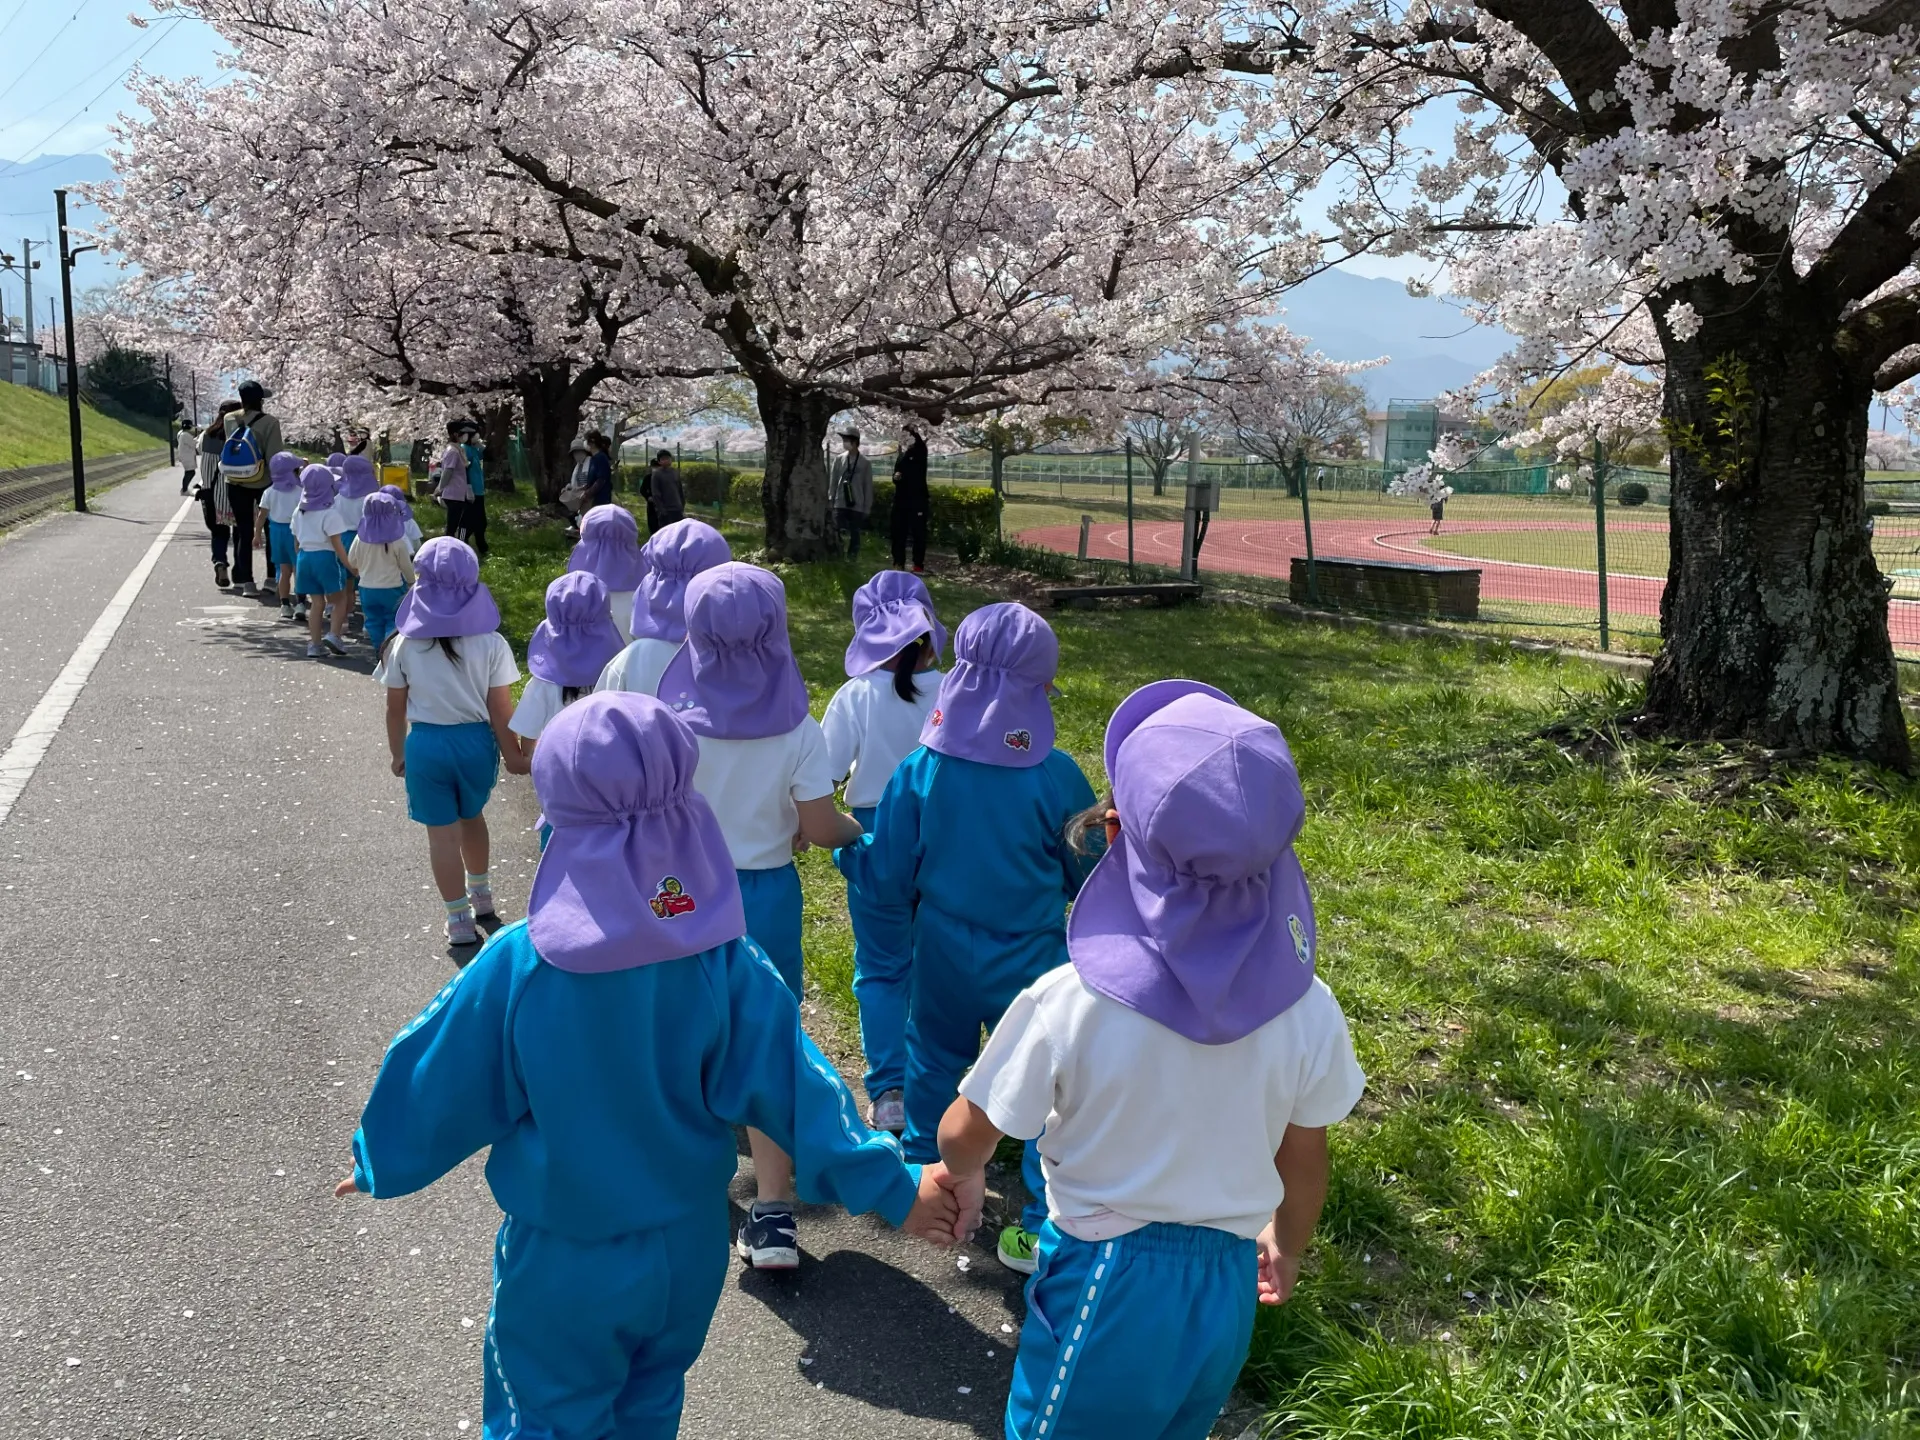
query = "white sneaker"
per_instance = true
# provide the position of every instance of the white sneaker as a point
(337, 646)
(314, 652)
(889, 1112)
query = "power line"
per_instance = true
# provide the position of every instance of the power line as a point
(14, 84)
(18, 11)
(8, 171)
(87, 79)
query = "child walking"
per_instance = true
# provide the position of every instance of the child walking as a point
(971, 836)
(605, 1047)
(873, 723)
(383, 560)
(449, 674)
(671, 558)
(610, 548)
(1191, 992)
(357, 482)
(321, 567)
(414, 535)
(763, 769)
(568, 651)
(275, 523)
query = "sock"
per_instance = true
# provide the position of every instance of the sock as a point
(764, 1208)
(482, 881)
(458, 908)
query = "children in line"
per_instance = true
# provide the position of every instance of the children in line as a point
(449, 674)
(671, 558)
(321, 567)
(763, 769)
(383, 561)
(275, 523)
(604, 1049)
(566, 654)
(610, 548)
(413, 531)
(970, 834)
(1191, 992)
(873, 723)
(357, 482)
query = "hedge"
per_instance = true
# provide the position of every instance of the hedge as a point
(964, 518)
(1632, 493)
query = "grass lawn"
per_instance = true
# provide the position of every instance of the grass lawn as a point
(33, 430)
(1640, 1151)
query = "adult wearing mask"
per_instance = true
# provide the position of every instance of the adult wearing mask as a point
(244, 491)
(665, 494)
(476, 453)
(850, 491)
(454, 492)
(912, 505)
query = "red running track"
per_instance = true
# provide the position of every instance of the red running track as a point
(1269, 547)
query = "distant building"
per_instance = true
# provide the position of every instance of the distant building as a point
(25, 364)
(1406, 430)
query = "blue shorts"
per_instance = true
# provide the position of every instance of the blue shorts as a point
(280, 549)
(346, 542)
(772, 902)
(319, 572)
(451, 771)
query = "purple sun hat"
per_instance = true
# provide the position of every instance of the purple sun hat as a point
(637, 871)
(610, 547)
(735, 678)
(447, 600)
(357, 480)
(674, 555)
(316, 488)
(284, 469)
(574, 643)
(1198, 916)
(890, 612)
(382, 521)
(336, 461)
(397, 493)
(993, 703)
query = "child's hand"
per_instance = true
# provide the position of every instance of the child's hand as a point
(399, 766)
(936, 1213)
(800, 845)
(1278, 1273)
(970, 1194)
(345, 1188)
(517, 762)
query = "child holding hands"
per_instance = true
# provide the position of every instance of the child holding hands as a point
(1190, 991)
(605, 1048)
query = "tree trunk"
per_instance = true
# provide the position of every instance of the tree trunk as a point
(1160, 468)
(551, 403)
(1774, 616)
(496, 429)
(794, 494)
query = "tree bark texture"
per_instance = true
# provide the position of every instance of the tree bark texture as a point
(1775, 614)
(551, 403)
(496, 429)
(794, 493)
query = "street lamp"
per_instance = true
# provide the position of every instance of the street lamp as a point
(67, 256)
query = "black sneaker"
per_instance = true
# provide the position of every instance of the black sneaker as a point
(770, 1240)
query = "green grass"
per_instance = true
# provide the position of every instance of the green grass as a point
(33, 430)
(1640, 1152)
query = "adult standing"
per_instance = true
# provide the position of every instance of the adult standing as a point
(912, 504)
(665, 492)
(244, 490)
(455, 493)
(186, 452)
(476, 453)
(850, 491)
(216, 506)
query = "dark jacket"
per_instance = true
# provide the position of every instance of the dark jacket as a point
(599, 480)
(910, 479)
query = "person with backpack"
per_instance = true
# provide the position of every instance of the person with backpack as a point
(216, 507)
(253, 436)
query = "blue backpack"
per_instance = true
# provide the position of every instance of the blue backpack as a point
(240, 457)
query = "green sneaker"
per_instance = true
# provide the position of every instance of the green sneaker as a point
(1019, 1250)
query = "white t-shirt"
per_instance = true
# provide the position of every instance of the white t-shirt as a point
(280, 505)
(870, 730)
(620, 605)
(539, 703)
(638, 668)
(414, 534)
(753, 785)
(315, 529)
(1139, 1125)
(382, 567)
(350, 510)
(440, 692)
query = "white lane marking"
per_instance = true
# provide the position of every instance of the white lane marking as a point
(32, 740)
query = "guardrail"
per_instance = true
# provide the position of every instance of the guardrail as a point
(37, 489)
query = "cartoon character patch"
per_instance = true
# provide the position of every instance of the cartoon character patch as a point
(939, 716)
(1019, 740)
(672, 899)
(1299, 933)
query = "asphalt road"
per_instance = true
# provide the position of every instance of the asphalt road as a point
(214, 916)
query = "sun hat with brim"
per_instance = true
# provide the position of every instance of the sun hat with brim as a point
(610, 547)
(574, 643)
(1198, 916)
(317, 488)
(735, 678)
(398, 494)
(336, 462)
(357, 478)
(580, 446)
(447, 600)
(890, 612)
(993, 705)
(284, 469)
(674, 555)
(382, 520)
(637, 871)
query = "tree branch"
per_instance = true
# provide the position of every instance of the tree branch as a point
(1877, 243)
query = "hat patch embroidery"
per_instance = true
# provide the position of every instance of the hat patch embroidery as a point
(1019, 740)
(938, 716)
(1299, 933)
(672, 900)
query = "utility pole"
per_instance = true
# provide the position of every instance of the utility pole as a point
(68, 255)
(27, 266)
(173, 417)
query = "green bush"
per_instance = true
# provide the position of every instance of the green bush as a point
(1632, 493)
(1879, 507)
(706, 482)
(965, 517)
(743, 495)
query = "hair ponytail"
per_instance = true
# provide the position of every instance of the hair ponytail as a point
(906, 665)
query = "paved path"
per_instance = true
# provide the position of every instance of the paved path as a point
(214, 916)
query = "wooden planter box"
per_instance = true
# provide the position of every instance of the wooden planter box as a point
(1389, 587)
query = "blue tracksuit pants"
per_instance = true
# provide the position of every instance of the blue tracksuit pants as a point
(774, 919)
(1138, 1338)
(593, 1340)
(882, 964)
(963, 979)
(378, 604)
